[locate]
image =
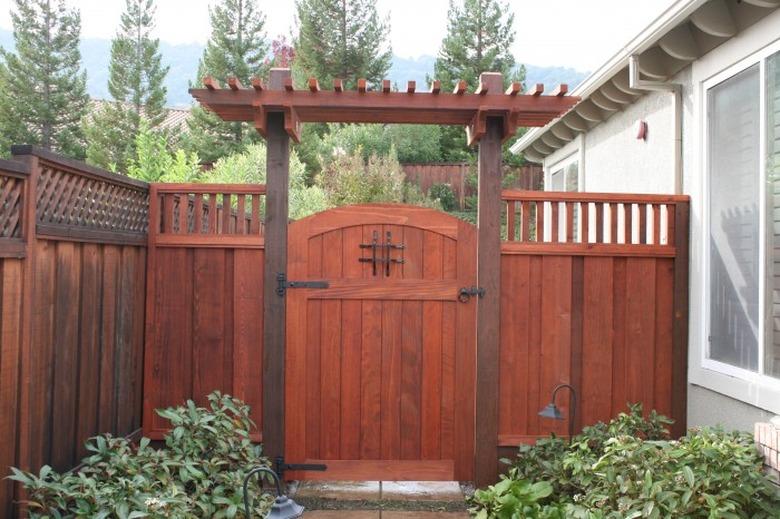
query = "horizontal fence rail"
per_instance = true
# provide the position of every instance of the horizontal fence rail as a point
(217, 215)
(591, 223)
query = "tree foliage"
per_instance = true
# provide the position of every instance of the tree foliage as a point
(42, 87)
(250, 167)
(153, 162)
(479, 38)
(412, 143)
(342, 39)
(237, 47)
(136, 77)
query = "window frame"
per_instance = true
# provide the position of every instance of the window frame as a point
(561, 165)
(733, 372)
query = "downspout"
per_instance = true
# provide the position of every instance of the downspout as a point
(637, 83)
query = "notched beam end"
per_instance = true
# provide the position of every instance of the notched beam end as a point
(210, 83)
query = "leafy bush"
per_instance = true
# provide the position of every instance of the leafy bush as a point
(249, 167)
(511, 498)
(445, 195)
(348, 179)
(199, 473)
(630, 468)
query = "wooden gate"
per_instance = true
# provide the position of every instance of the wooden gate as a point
(380, 365)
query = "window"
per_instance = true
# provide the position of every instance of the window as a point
(743, 171)
(565, 175)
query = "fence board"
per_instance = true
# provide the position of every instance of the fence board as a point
(204, 298)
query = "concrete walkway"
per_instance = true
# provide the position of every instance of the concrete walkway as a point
(381, 499)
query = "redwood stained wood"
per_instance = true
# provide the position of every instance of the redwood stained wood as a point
(597, 346)
(640, 329)
(276, 216)
(619, 345)
(681, 221)
(390, 470)
(65, 358)
(10, 354)
(379, 377)
(385, 107)
(488, 307)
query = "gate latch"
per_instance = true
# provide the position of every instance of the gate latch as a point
(465, 293)
(282, 284)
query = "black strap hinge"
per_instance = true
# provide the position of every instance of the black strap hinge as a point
(282, 284)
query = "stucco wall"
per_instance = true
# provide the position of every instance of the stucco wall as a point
(617, 161)
(707, 407)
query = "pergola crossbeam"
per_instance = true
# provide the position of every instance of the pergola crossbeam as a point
(381, 105)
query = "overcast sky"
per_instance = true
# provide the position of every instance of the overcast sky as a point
(574, 33)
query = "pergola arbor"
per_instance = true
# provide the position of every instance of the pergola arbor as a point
(490, 116)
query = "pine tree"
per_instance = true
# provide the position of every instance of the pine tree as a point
(480, 34)
(136, 77)
(237, 47)
(42, 87)
(342, 39)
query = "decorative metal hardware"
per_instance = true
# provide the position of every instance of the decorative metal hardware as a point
(386, 247)
(282, 467)
(465, 293)
(282, 284)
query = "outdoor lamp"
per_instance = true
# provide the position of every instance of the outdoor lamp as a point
(552, 411)
(283, 507)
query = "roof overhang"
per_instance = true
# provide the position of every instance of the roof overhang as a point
(683, 33)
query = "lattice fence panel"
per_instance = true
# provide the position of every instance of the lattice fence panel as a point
(10, 207)
(66, 198)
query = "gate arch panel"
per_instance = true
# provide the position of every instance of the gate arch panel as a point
(380, 366)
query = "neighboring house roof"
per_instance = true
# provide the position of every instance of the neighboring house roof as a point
(175, 118)
(683, 33)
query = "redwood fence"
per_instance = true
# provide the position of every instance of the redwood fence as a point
(593, 293)
(73, 267)
(529, 177)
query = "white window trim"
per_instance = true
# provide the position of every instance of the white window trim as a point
(751, 387)
(563, 164)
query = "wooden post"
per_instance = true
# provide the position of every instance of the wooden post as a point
(26, 457)
(488, 307)
(276, 216)
(680, 324)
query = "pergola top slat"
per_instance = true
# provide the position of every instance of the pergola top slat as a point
(380, 105)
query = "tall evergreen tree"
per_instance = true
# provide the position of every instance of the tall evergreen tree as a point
(237, 47)
(135, 82)
(42, 86)
(342, 39)
(480, 34)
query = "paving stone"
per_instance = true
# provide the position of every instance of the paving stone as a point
(387, 514)
(342, 514)
(343, 490)
(421, 490)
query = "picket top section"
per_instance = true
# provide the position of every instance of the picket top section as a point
(606, 224)
(379, 104)
(207, 215)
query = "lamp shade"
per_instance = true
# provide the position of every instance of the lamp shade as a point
(285, 508)
(551, 411)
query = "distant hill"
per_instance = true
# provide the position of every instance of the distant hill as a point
(183, 60)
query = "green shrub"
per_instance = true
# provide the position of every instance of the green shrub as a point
(630, 468)
(349, 179)
(445, 195)
(199, 473)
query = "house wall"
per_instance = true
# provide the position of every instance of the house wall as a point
(613, 160)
